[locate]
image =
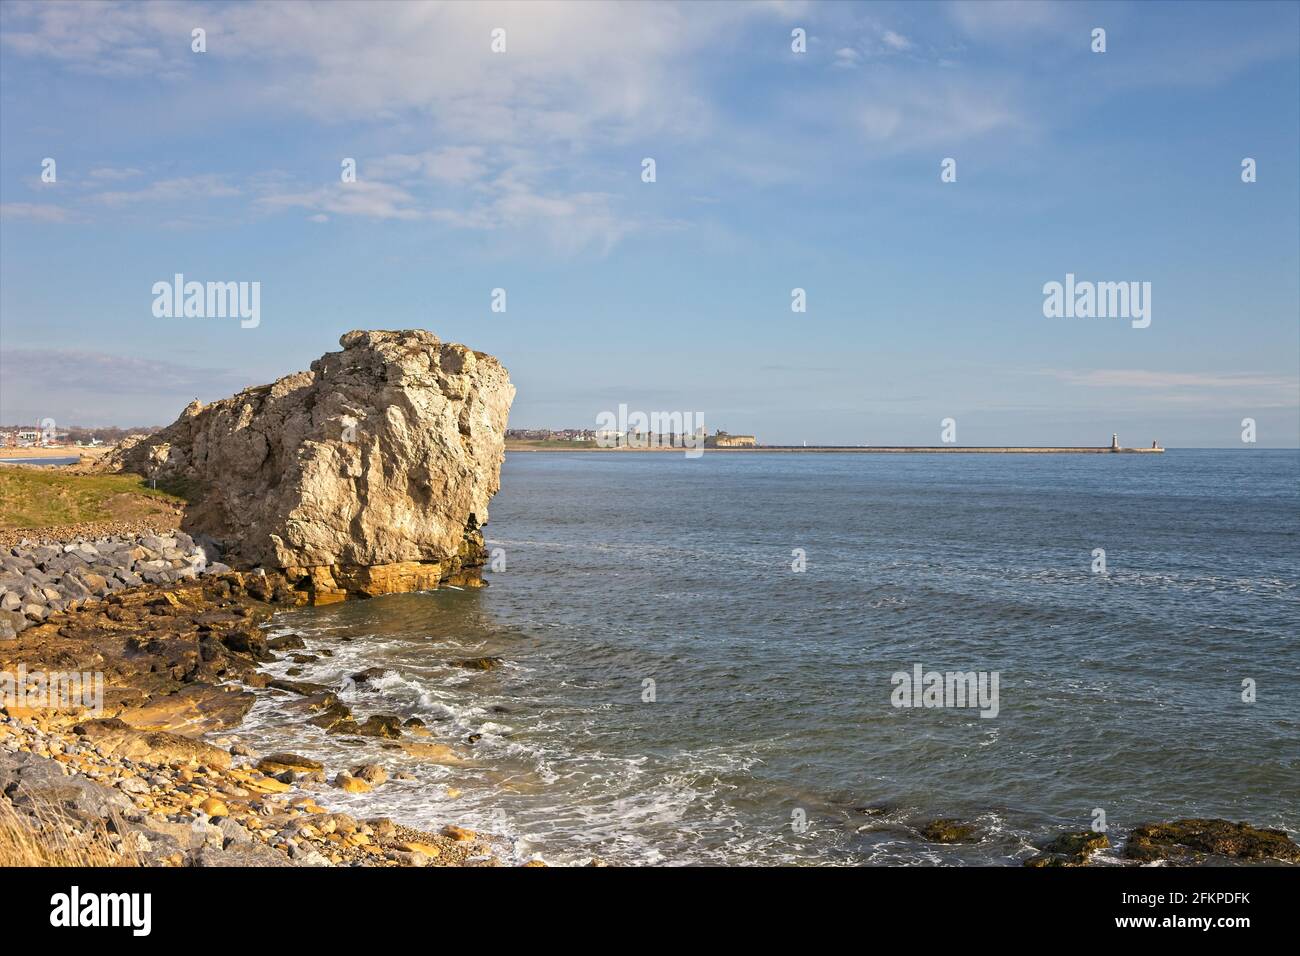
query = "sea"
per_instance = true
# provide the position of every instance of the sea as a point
(704, 661)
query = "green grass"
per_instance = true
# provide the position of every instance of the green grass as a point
(39, 497)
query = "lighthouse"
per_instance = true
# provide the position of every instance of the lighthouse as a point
(1114, 441)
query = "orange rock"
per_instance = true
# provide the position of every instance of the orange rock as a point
(414, 846)
(214, 807)
(351, 784)
(434, 753)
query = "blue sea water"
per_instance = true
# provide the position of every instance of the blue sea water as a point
(771, 737)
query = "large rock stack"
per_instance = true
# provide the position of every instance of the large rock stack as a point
(371, 473)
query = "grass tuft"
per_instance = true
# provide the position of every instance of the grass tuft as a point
(45, 839)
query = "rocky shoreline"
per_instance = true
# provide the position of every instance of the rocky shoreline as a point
(157, 774)
(182, 661)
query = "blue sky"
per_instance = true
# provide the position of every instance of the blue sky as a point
(775, 170)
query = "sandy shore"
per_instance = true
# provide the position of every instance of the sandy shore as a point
(71, 451)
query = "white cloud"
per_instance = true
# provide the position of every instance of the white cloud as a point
(1009, 20)
(575, 78)
(847, 57)
(36, 212)
(568, 222)
(907, 114)
(455, 165)
(179, 189)
(98, 38)
(896, 41)
(1206, 390)
(1143, 378)
(571, 70)
(111, 174)
(364, 198)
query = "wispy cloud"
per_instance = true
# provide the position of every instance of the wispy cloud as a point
(108, 173)
(454, 165)
(179, 189)
(109, 374)
(37, 212)
(1010, 21)
(895, 41)
(1201, 389)
(950, 110)
(569, 222)
(366, 199)
(1143, 378)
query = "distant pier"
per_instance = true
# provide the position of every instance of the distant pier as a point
(1112, 449)
(951, 449)
(745, 444)
(851, 449)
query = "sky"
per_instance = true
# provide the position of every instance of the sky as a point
(523, 170)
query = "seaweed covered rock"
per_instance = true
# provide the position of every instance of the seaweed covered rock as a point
(1070, 849)
(949, 831)
(1186, 841)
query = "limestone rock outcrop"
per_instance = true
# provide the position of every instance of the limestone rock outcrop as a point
(368, 474)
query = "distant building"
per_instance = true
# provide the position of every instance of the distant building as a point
(724, 440)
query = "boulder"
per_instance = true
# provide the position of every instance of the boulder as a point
(1070, 849)
(215, 807)
(948, 831)
(287, 642)
(33, 783)
(434, 753)
(479, 663)
(376, 725)
(368, 474)
(351, 784)
(241, 854)
(151, 746)
(279, 762)
(194, 709)
(371, 773)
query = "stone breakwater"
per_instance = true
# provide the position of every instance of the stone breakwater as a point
(40, 578)
(155, 771)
